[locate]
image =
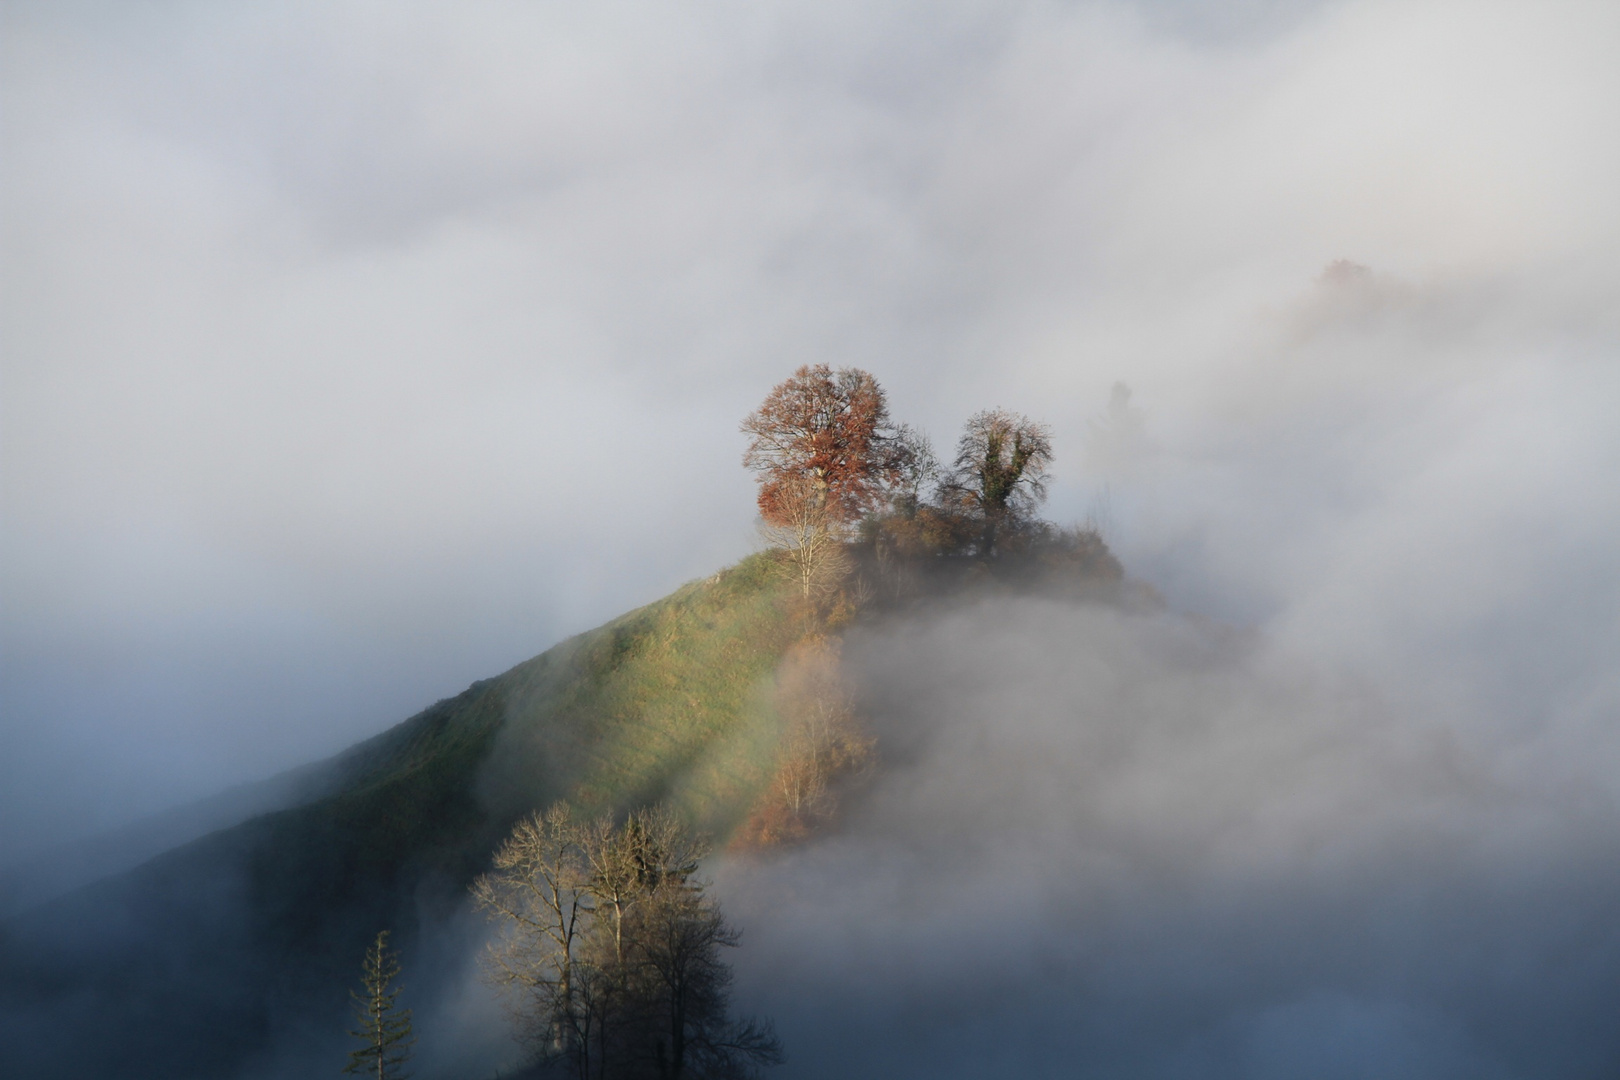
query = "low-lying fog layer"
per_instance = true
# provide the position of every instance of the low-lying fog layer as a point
(1128, 845)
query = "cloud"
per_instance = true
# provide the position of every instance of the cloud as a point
(1156, 848)
(354, 352)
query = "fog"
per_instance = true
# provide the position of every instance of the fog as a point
(1139, 846)
(352, 352)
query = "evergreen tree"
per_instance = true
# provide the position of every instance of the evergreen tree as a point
(384, 1026)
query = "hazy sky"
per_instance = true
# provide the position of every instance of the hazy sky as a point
(354, 351)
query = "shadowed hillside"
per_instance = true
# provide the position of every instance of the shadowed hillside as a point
(194, 962)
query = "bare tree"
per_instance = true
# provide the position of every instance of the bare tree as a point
(999, 474)
(613, 951)
(822, 738)
(690, 1034)
(538, 891)
(627, 862)
(918, 467)
(801, 524)
(822, 745)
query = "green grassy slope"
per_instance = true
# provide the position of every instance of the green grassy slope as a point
(669, 702)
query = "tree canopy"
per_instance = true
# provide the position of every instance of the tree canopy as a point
(856, 503)
(832, 429)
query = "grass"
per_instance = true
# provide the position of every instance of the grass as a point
(670, 702)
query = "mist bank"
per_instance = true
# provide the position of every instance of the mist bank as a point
(1139, 845)
(63, 867)
(1099, 838)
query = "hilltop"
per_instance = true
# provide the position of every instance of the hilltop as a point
(721, 704)
(197, 961)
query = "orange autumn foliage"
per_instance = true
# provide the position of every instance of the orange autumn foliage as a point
(828, 429)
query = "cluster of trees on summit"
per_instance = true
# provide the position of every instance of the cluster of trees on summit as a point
(838, 477)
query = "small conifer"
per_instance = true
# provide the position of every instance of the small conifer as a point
(385, 1028)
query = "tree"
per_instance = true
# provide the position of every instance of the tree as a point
(686, 990)
(613, 951)
(917, 468)
(830, 429)
(801, 524)
(999, 475)
(626, 863)
(538, 889)
(385, 1028)
(822, 743)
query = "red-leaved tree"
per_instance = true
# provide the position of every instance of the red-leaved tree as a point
(827, 433)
